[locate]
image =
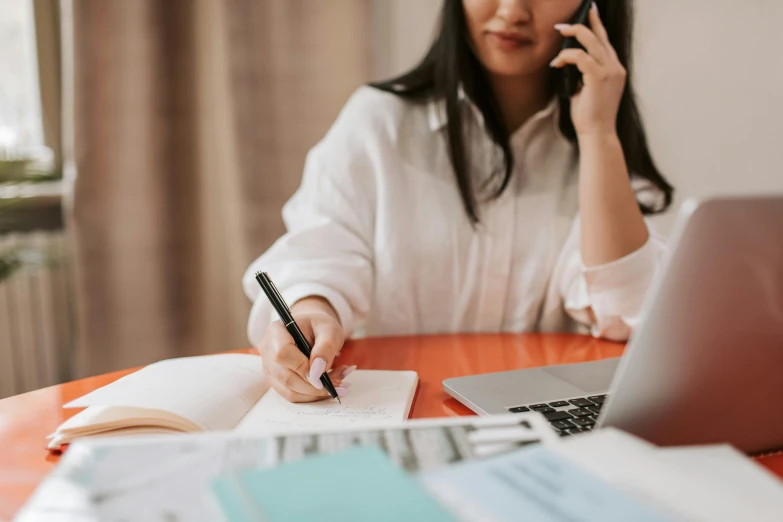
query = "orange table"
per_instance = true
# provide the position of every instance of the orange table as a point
(26, 419)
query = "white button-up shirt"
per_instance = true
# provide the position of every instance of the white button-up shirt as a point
(378, 229)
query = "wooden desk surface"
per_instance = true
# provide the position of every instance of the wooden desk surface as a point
(26, 419)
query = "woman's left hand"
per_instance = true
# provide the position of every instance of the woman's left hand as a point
(594, 108)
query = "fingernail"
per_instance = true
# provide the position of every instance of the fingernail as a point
(348, 371)
(595, 7)
(560, 27)
(316, 370)
(553, 62)
(345, 385)
(341, 391)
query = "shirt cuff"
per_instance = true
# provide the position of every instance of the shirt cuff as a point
(615, 291)
(300, 291)
(620, 286)
(263, 313)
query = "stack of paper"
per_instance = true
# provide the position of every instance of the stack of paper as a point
(362, 484)
(607, 476)
(486, 469)
(164, 478)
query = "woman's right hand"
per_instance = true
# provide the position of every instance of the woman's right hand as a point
(292, 375)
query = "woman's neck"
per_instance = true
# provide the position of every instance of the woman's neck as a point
(520, 97)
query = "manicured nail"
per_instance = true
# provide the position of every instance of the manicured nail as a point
(345, 385)
(595, 8)
(342, 392)
(553, 62)
(560, 27)
(347, 371)
(316, 370)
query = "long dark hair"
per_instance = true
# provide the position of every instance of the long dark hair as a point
(450, 64)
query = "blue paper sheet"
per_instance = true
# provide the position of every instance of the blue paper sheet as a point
(359, 484)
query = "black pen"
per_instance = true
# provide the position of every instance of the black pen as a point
(284, 312)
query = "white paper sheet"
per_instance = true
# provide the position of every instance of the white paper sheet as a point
(535, 483)
(721, 467)
(377, 397)
(697, 492)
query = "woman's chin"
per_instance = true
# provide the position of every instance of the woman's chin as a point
(522, 63)
(514, 70)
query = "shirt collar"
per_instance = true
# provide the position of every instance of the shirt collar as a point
(437, 111)
(437, 117)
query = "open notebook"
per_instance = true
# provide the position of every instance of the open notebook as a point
(228, 392)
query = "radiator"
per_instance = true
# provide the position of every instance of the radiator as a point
(36, 315)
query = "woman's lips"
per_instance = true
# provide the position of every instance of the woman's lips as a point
(509, 41)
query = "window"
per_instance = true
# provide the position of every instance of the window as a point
(20, 105)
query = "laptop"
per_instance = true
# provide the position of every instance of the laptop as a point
(705, 366)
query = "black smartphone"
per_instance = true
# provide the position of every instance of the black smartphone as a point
(572, 77)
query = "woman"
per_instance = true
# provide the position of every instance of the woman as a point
(468, 196)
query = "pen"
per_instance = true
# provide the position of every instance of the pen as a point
(284, 312)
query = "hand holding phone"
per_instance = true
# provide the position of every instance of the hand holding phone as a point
(572, 77)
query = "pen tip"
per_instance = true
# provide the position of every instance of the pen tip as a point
(338, 400)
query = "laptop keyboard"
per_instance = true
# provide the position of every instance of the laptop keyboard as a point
(569, 417)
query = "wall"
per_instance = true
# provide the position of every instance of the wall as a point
(403, 31)
(711, 86)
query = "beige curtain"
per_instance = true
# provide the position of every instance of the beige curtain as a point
(191, 120)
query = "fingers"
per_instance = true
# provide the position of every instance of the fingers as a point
(594, 46)
(328, 341)
(341, 372)
(294, 382)
(293, 375)
(583, 61)
(293, 396)
(280, 350)
(600, 31)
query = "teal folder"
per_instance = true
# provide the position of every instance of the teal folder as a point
(359, 484)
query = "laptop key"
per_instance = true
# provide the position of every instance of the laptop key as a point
(581, 403)
(558, 404)
(519, 409)
(574, 431)
(545, 410)
(598, 399)
(557, 416)
(562, 424)
(539, 406)
(595, 409)
(582, 422)
(580, 412)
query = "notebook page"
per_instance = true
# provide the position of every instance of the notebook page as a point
(212, 391)
(377, 397)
